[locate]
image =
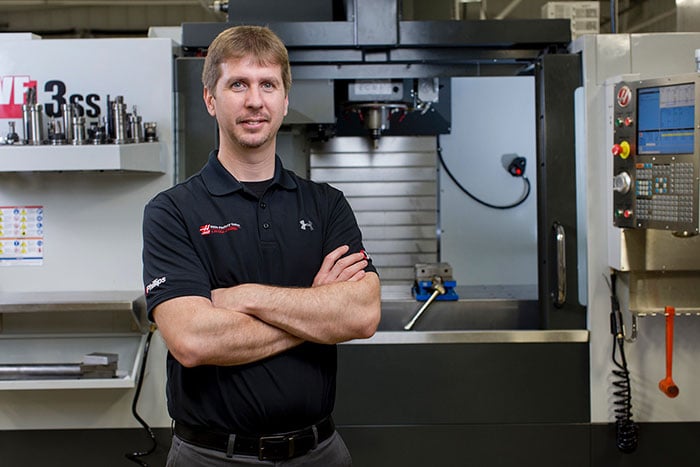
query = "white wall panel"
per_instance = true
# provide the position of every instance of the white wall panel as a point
(92, 231)
(492, 118)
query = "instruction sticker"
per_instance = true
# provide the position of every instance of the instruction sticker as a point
(21, 235)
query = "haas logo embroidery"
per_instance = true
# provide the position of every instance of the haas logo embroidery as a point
(306, 225)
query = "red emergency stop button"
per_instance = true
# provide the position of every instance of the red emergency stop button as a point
(623, 149)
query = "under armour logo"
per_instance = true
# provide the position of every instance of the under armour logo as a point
(306, 225)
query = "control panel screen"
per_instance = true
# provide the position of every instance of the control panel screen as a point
(666, 120)
(656, 153)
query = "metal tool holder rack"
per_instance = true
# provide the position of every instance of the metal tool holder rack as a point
(60, 327)
(138, 157)
(644, 314)
(635, 317)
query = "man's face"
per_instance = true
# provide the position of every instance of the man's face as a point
(249, 103)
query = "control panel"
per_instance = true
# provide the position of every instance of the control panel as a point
(656, 153)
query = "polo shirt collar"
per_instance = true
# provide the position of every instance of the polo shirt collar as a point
(220, 182)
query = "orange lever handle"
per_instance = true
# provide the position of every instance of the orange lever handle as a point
(666, 385)
(670, 316)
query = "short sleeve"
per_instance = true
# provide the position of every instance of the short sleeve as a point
(171, 267)
(343, 228)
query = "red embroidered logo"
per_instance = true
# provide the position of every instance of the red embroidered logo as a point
(208, 229)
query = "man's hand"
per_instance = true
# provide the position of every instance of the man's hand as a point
(335, 268)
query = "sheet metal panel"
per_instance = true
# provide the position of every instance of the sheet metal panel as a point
(394, 203)
(393, 191)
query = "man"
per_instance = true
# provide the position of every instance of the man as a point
(253, 275)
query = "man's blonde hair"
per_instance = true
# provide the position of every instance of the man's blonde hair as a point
(243, 41)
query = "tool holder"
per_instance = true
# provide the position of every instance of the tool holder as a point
(637, 316)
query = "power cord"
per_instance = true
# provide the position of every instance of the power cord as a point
(516, 169)
(626, 430)
(135, 456)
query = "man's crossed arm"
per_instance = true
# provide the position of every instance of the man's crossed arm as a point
(249, 322)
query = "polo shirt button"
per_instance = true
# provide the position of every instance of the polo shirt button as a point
(263, 205)
(266, 225)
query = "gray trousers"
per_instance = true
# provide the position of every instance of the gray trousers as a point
(330, 453)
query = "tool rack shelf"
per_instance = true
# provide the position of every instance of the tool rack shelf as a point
(679, 312)
(61, 327)
(135, 157)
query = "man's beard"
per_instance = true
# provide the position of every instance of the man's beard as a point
(254, 140)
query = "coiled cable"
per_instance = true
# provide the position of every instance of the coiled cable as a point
(526, 192)
(626, 430)
(135, 456)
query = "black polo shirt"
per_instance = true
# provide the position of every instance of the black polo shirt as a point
(210, 231)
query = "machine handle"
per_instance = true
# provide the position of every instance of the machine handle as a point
(420, 311)
(560, 240)
(438, 289)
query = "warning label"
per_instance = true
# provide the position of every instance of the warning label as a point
(21, 235)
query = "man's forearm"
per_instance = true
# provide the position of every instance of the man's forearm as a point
(198, 333)
(328, 314)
